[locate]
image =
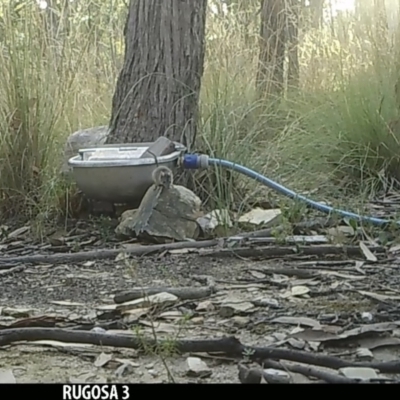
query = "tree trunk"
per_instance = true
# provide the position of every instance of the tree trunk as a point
(158, 87)
(317, 13)
(293, 43)
(272, 47)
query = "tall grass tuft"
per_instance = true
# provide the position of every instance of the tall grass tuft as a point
(42, 100)
(350, 130)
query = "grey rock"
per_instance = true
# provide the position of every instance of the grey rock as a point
(249, 375)
(172, 218)
(196, 367)
(81, 139)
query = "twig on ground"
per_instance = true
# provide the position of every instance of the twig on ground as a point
(11, 270)
(272, 251)
(228, 345)
(184, 293)
(7, 263)
(299, 273)
(104, 254)
(308, 371)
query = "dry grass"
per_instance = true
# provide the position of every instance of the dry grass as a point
(332, 129)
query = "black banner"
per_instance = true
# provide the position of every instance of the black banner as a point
(130, 391)
(103, 392)
(72, 391)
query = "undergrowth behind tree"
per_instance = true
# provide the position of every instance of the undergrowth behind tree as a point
(337, 133)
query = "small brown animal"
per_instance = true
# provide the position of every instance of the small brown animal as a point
(162, 176)
(163, 180)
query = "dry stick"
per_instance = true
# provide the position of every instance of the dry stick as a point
(104, 254)
(298, 273)
(11, 270)
(184, 293)
(265, 252)
(271, 251)
(308, 371)
(228, 345)
(7, 263)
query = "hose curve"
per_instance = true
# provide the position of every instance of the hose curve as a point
(194, 161)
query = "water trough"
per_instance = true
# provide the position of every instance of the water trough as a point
(119, 173)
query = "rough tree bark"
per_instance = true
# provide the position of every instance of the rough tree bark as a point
(293, 42)
(317, 12)
(272, 47)
(158, 87)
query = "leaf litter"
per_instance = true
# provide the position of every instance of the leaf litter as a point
(314, 306)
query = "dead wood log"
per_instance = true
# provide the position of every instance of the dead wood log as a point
(228, 246)
(298, 273)
(103, 254)
(283, 251)
(255, 252)
(7, 263)
(307, 371)
(229, 345)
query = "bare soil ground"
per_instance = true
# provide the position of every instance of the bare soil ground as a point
(304, 304)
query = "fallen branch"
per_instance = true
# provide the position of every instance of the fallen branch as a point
(228, 345)
(184, 293)
(271, 251)
(298, 273)
(11, 270)
(106, 254)
(308, 371)
(244, 245)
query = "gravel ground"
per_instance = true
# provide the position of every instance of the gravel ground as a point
(261, 303)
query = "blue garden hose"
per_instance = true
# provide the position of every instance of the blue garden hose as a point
(196, 161)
